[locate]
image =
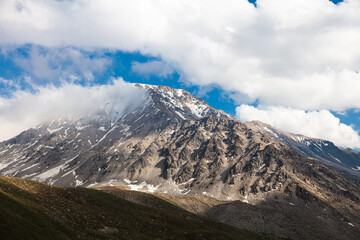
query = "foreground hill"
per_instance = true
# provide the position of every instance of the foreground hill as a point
(32, 210)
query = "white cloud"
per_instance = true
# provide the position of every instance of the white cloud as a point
(318, 124)
(7, 83)
(157, 68)
(25, 109)
(53, 64)
(301, 54)
(296, 53)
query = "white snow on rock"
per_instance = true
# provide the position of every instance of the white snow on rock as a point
(51, 131)
(268, 130)
(53, 171)
(357, 168)
(143, 186)
(78, 183)
(262, 166)
(190, 180)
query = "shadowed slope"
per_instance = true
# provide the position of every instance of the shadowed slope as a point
(34, 210)
(282, 215)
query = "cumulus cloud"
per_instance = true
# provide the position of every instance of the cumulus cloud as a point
(7, 83)
(300, 54)
(156, 68)
(52, 64)
(26, 109)
(318, 124)
(297, 53)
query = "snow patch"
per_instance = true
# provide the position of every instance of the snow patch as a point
(53, 171)
(190, 180)
(3, 151)
(268, 130)
(78, 183)
(51, 131)
(262, 166)
(335, 158)
(79, 127)
(4, 165)
(30, 167)
(318, 146)
(102, 128)
(93, 184)
(179, 92)
(186, 192)
(180, 115)
(143, 186)
(357, 168)
(199, 110)
(112, 129)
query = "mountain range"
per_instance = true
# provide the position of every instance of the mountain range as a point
(174, 143)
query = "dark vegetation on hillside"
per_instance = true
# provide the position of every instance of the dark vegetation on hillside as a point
(32, 210)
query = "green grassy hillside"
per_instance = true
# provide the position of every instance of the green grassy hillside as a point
(32, 210)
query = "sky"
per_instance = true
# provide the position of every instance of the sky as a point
(291, 63)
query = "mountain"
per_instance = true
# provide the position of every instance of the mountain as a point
(176, 143)
(33, 210)
(70, 151)
(346, 161)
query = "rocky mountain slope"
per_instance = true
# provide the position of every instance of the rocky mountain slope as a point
(176, 143)
(288, 217)
(346, 161)
(32, 210)
(80, 150)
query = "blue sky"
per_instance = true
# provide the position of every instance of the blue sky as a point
(120, 66)
(293, 64)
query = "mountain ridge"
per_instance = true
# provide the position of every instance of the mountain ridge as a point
(323, 150)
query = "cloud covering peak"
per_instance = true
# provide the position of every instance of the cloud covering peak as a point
(25, 109)
(318, 124)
